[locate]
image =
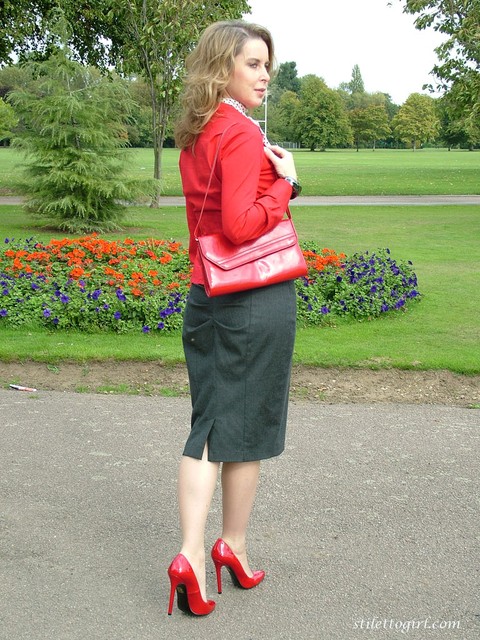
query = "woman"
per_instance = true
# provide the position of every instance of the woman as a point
(238, 347)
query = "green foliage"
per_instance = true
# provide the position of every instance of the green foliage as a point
(417, 120)
(27, 29)
(356, 84)
(320, 118)
(457, 72)
(72, 136)
(369, 123)
(287, 78)
(8, 120)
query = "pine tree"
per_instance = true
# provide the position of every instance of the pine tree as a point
(73, 135)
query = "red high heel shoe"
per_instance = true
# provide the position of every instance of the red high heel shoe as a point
(223, 556)
(184, 581)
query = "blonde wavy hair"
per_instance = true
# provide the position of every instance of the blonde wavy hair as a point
(209, 68)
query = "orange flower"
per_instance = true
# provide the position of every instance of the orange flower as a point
(76, 273)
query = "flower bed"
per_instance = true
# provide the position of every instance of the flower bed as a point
(362, 286)
(93, 284)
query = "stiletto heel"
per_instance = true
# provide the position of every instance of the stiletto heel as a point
(184, 581)
(223, 556)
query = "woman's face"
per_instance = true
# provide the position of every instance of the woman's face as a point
(249, 80)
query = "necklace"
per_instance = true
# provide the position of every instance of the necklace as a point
(241, 108)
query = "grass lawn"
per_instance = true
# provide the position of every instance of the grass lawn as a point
(338, 172)
(442, 331)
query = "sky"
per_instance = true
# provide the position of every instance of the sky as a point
(328, 38)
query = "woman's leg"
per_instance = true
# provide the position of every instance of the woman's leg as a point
(239, 487)
(196, 485)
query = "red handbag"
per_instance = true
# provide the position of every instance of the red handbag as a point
(273, 257)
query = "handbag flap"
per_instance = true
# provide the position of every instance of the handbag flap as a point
(220, 251)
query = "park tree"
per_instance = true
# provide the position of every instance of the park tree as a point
(8, 120)
(72, 135)
(353, 92)
(287, 77)
(320, 119)
(416, 121)
(456, 127)
(356, 84)
(458, 69)
(369, 123)
(288, 105)
(156, 39)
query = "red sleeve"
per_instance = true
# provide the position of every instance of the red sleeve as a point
(245, 213)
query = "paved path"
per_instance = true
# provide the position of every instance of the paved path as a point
(170, 201)
(367, 525)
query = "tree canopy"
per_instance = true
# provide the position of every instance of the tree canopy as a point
(416, 121)
(320, 118)
(458, 70)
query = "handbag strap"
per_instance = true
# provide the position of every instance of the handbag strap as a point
(210, 182)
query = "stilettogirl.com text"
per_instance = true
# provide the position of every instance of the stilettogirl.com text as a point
(405, 626)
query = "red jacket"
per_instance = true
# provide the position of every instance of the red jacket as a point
(245, 198)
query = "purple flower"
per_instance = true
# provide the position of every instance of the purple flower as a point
(325, 310)
(47, 313)
(146, 329)
(64, 299)
(120, 295)
(161, 325)
(3, 313)
(117, 315)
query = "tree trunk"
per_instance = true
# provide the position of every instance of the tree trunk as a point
(159, 122)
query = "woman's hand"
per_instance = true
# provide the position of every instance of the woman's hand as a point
(282, 160)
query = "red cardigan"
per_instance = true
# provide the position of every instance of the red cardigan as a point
(245, 199)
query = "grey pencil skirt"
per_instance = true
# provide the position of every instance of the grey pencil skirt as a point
(238, 349)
